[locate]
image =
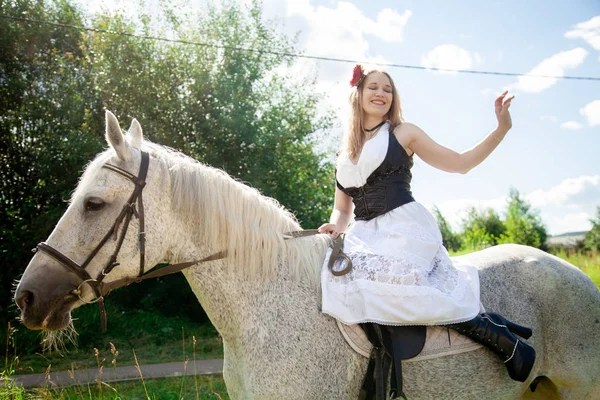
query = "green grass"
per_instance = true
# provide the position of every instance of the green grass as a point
(188, 347)
(588, 262)
(154, 337)
(201, 387)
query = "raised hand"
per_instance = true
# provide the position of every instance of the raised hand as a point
(501, 106)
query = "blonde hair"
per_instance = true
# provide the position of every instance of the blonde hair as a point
(355, 137)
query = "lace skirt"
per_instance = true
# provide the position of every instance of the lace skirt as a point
(401, 275)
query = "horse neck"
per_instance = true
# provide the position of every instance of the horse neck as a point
(235, 302)
(213, 213)
(221, 214)
(234, 298)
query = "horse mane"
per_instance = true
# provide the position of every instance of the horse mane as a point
(230, 215)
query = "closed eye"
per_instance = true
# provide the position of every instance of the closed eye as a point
(94, 204)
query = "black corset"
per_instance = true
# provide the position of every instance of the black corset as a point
(387, 187)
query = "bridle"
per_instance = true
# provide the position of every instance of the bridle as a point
(134, 207)
(129, 211)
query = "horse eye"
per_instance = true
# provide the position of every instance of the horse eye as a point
(94, 204)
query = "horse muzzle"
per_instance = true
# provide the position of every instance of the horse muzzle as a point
(47, 307)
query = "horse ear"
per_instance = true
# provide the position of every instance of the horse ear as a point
(135, 134)
(114, 136)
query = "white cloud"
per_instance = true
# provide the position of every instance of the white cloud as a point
(553, 66)
(390, 25)
(588, 31)
(571, 125)
(449, 56)
(341, 32)
(572, 190)
(592, 112)
(572, 222)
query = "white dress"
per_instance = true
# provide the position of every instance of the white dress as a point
(401, 273)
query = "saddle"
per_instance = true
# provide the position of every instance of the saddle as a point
(391, 345)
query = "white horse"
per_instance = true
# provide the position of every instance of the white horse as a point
(264, 297)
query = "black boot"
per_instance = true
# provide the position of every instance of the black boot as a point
(522, 331)
(492, 331)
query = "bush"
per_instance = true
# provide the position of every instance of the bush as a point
(592, 238)
(523, 225)
(451, 240)
(488, 221)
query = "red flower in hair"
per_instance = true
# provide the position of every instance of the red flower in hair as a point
(357, 75)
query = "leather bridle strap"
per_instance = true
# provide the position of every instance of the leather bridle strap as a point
(168, 270)
(336, 250)
(174, 268)
(299, 234)
(66, 261)
(124, 217)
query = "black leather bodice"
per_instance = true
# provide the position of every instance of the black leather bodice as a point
(387, 187)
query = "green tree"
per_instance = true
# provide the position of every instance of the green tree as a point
(227, 107)
(485, 222)
(592, 238)
(476, 239)
(224, 106)
(47, 132)
(523, 224)
(451, 240)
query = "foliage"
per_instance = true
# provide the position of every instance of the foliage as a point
(485, 228)
(487, 221)
(154, 337)
(477, 238)
(47, 132)
(523, 225)
(592, 238)
(587, 261)
(451, 240)
(203, 387)
(236, 110)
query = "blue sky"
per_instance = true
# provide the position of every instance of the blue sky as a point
(552, 154)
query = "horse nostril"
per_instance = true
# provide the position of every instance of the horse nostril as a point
(24, 299)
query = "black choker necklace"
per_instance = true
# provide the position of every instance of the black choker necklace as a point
(376, 127)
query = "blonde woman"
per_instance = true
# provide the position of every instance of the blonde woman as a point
(402, 274)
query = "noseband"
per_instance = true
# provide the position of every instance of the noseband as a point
(127, 213)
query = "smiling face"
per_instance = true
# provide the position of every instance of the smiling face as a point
(377, 95)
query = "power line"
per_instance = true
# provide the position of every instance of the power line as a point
(295, 55)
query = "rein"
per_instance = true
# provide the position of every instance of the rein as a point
(135, 208)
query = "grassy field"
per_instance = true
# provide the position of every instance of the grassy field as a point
(200, 387)
(155, 339)
(588, 263)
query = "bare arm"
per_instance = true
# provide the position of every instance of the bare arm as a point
(449, 160)
(341, 215)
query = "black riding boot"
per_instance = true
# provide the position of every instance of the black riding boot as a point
(494, 332)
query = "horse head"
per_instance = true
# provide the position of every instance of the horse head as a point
(100, 238)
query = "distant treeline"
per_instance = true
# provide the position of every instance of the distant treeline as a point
(521, 225)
